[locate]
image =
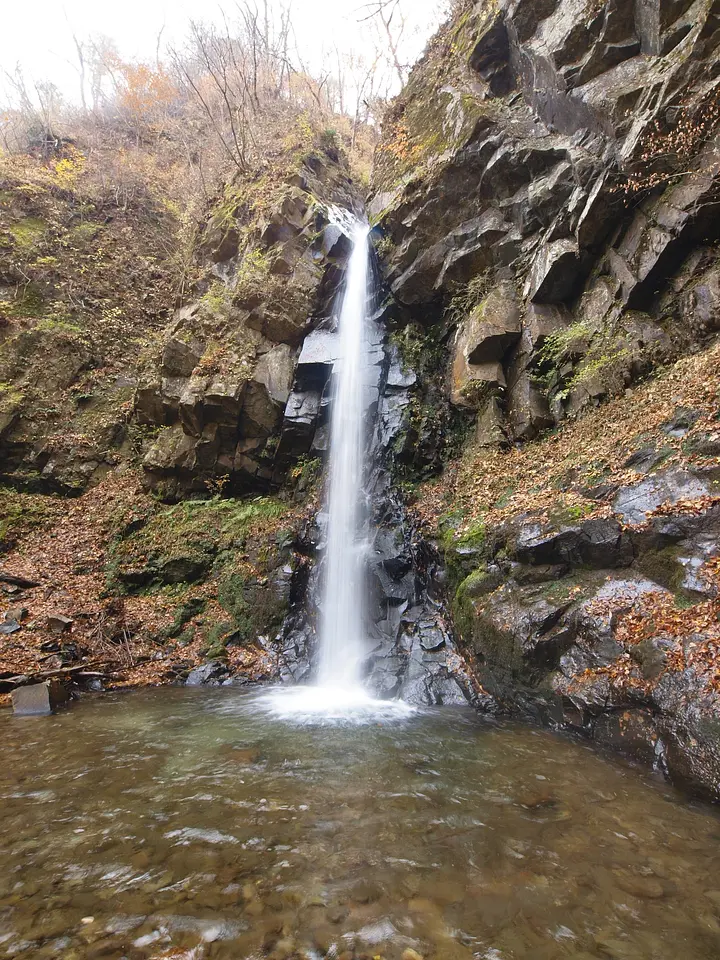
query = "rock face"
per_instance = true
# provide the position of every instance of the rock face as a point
(223, 379)
(536, 153)
(545, 191)
(604, 627)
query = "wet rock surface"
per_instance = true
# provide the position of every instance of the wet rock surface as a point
(412, 654)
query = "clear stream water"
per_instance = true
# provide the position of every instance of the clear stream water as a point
(183, 823)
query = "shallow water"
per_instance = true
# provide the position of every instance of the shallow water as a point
(189, 823)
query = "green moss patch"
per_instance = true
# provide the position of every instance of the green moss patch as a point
(21, 513)
(28, 233)
(180, 543)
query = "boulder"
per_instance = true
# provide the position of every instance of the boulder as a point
(597, 543)
(191, 407)
(703, 302)
(179, 358)
(528, 409)
(492, 327)
(634, 504)
(275, 371)
(542, 320)
(260, 414)
(172, 449)
(223, 400)
(39, 699)
(320, 351)
(472, 383)
(490, 429)
(555, 272)
(210, 674)
(300, 423)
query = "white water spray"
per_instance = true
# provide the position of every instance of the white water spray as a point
(339, 694)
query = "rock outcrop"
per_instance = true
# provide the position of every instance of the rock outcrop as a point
(545, 191)
(577, 623)
(221, 383)
(546, 183)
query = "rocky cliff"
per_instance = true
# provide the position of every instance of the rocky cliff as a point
(546, 197)
(219, 382)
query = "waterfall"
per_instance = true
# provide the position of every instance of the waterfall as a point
(338, 693)
(342, 643)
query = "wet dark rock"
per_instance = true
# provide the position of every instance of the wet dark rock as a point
(594, 543)
(8, 627)
(39, 699)
(210, 674)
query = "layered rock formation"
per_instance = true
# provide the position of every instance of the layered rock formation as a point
(546, 191)
(551, 172)
(224, 374)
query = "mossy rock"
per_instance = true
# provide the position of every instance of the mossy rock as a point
(257, 606)
(479, 583)
(464, 553)
(179, 544)
(184, 613)
(28, 233)
(664, 568)
(21, 513)
(217, 640)
(184, 569)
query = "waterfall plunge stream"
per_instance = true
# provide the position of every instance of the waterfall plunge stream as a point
(339, 692)
(341, 629)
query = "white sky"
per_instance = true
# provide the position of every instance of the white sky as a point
(37, 34)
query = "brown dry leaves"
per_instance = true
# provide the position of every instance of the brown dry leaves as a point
(551, 472)
(112, 634)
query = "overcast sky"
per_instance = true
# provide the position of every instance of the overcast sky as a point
(37, 34)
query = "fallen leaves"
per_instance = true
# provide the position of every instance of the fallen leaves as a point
(111, 634)
(584, 459)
